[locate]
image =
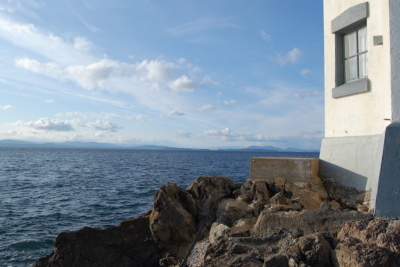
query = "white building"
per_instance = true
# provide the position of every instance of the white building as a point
(361, 147)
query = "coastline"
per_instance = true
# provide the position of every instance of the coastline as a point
(261, 223)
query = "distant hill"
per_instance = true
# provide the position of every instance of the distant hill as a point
(18, 143)
(268, 149)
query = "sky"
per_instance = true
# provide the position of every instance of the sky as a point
(182, 73)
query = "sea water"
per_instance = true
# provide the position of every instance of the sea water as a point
(44, 191)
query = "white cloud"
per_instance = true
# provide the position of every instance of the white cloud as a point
(93, 75)
(48, 125)
(104, 126)
(182, 84)
(207, 108)
(157, 70)
(6, 107)
(292, 56)
(49, 101)
(305, 72)
(83, 44)
(41, 42)
(230, 102)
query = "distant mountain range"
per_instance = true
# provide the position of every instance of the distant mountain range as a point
(17, 143)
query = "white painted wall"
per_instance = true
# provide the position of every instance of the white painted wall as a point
(366, 113)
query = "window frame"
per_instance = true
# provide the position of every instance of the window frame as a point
(356, 55)
(349, 21)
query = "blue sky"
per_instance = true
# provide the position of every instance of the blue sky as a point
(185, 73)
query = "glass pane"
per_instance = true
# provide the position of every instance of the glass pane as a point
(363, 65)
(350, 44)
(350, 67)
(362, 40)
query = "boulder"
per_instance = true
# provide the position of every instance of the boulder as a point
(311, 250)
(206, 191)
(254, 190)
(354, 254)
(172, 221)
(309, 195)
(128, 244)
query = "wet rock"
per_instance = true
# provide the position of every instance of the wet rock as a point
(172, 221)
(128, 244)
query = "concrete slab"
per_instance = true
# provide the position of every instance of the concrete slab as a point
(292, 169)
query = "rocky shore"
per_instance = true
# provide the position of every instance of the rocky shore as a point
(216, 222)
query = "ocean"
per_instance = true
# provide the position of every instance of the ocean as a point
(44, 191)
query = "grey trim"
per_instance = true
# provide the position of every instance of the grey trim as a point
(351, 88)
(352, 17)
(378, 40)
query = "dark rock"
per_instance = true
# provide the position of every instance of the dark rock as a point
(172, 221)
(205, 192)
(128, 244)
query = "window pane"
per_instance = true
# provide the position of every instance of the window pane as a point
(350, 67)
(362, 40)
(363, 65)
(350, 44)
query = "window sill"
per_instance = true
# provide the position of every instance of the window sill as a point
(351, 88)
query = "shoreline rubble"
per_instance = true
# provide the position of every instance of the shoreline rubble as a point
(254, 223)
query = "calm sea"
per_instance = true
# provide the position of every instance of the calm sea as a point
(44, 191)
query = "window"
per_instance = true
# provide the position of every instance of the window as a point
(355, 55)
(351, 53)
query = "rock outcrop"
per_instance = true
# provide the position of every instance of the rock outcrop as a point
(256, 223)
(128, 244)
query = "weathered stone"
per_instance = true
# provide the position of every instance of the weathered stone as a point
(217, 230)
(128, 244)
(233, 211)
(172, 221)
(254, 190)
(275, 261)
(306, 221)
(381, 233)
(304, 194)
(311, 250)
(206, 191)
(352, 254)
(335, 205)
(279, 198)
(278, 207)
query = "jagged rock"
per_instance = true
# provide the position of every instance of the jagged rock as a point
(128, 244)
(353, 254)
(254, 190)
(309, 195)
(278, 207)
(206, 191)
(382, 233)
(348, 197)
(311, 250)
(217, 230)
(307, 221)
(279, 198)
(172, 221)
(335, 205)
(233, 211)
